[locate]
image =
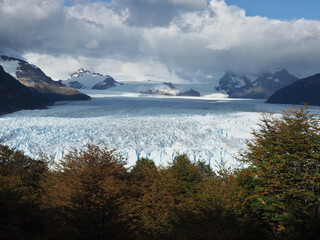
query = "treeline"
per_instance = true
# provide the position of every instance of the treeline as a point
(91, 194)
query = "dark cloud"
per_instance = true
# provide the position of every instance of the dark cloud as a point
(151, 13)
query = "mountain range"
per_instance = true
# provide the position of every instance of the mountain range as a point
(25, 86)
(240, 86)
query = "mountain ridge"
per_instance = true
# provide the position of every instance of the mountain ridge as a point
(240, 86)
(14, 96)
(302, 91)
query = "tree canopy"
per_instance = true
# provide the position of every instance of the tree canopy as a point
(284, 159)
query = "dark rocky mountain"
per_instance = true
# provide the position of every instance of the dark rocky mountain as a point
(267, 83)
(306, 90)
(47, 90)
(261, 88)
(76, 85)
(190, 93)
(232, 83)
(107, 83)
(170, 85)
(15, 96)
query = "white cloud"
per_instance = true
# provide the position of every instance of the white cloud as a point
(147, 69)
(169, 39)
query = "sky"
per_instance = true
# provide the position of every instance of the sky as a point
(280, 9)
(163, 40)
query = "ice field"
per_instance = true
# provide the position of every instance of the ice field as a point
(211, 129)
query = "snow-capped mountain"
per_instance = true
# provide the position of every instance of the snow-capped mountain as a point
(231, 82)
(274, 81)
(263, 87)
(84, 79)
(44, 87)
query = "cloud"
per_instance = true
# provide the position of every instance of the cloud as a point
(150, 13)
(172, 40)
(143, 70)
(24, 24)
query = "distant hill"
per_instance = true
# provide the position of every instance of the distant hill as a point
(47, 90)
(306, 90)
(263, 87)
(168, 89)
(84, 79)
(15, 96)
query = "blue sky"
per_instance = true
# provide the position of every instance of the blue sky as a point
(280, 9)
(71, 2)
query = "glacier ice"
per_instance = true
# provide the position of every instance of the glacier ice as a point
(213, 130)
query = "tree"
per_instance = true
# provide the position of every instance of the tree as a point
(169, 206)
(283, 180)
(189, 175)
(90, 186)
(20, 195)
(142, 177)
(144, 170)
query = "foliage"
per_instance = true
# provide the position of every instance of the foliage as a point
(91, 186)
(20, 190)
(283, 180)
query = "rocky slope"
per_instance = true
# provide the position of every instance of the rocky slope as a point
(232, 83)
(47, 90)
(305, 90)
(14, 96)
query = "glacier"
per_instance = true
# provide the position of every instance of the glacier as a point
(212, 129)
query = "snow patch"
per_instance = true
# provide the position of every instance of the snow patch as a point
(10, 67)
(240, 82)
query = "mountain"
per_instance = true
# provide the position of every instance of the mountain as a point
(47, 90)
(84, 79)
(14, 96)
(305, 90)
(168, 89)
(261, 88)
(267, 83)
(232, 83)
(190, 93)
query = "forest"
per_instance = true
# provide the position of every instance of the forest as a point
(92, 194)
